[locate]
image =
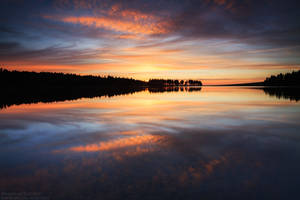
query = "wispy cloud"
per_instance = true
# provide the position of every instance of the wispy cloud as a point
(166, 38)
(129, 22)
(138, 26)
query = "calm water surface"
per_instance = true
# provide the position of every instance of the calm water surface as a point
(217, 143)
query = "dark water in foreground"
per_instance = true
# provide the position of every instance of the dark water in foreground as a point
(214, 143)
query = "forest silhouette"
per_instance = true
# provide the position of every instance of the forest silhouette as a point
(286, 86)
(170, 82)
(173, 89)
(20, 87)
(288, 79)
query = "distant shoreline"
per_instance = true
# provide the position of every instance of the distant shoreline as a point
(240, 84)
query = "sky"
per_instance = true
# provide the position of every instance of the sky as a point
(216, 41)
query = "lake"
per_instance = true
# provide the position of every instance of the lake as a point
(197, 143)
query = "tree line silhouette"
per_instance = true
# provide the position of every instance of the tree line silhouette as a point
(53, 79)
(19, 87)
(170, 82)
(288, 79)
(288, 83)
(49, 79)
(173, 89)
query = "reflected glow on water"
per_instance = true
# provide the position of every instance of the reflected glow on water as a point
(117, 144)
(220, 142)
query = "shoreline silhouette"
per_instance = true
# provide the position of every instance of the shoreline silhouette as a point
(19, 87)
(291, 79)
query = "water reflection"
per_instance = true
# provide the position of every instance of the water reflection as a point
(11, 97)
(219, 143)
(292, 93)
(175, 89)
(119, 143)
(15, 96)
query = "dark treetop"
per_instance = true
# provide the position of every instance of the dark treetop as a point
(288, 79)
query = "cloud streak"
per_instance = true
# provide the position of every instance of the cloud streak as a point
(136, 26)
(145, 37)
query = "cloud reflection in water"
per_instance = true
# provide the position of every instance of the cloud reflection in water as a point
(217, 143)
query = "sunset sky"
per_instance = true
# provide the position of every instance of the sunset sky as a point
(216, 41)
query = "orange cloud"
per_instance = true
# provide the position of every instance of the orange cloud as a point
(119, 20)
(116, 18)
(137, 26)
